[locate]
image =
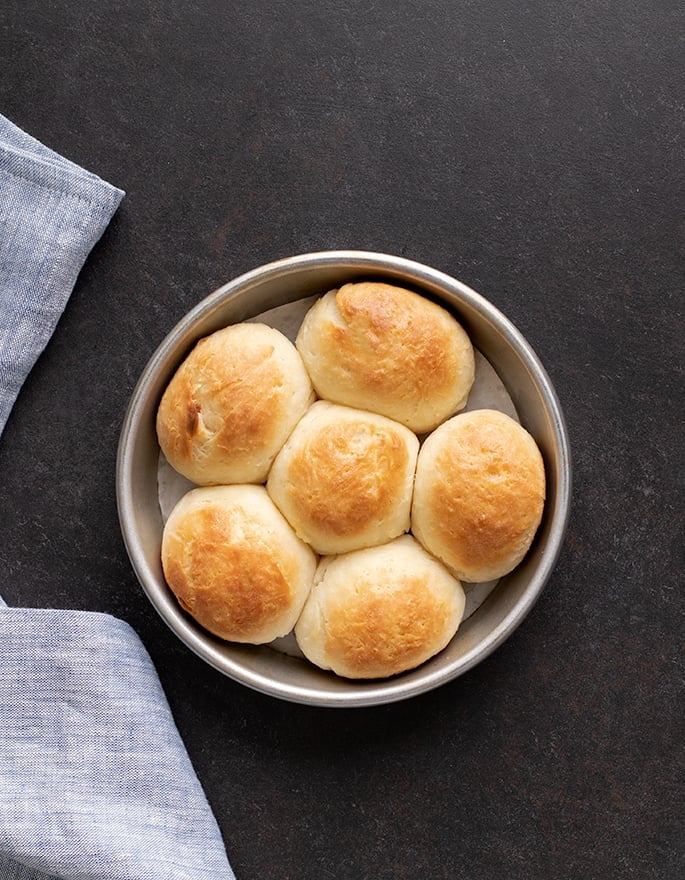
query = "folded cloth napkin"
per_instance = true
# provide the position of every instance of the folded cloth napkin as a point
(51, 214)
(95, 782)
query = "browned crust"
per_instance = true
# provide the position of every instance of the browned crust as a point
(479, 494)
(384, 348)
(223, 573)
(347, 475)
(385, 628)
(228, 402)
(404, 340)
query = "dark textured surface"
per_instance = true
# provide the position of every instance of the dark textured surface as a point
(535, 152)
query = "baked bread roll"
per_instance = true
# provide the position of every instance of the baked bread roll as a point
(234, 563)
(382, 348)
(344, 478)
(379, 611)
(231, 404)
(479, 494)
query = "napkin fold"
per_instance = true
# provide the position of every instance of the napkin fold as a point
(95, 782)
(52, 212)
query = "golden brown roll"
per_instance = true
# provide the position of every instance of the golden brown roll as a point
(479, 494)
(389, 350)
(231, 404)
(379, 611)
(344, 478)
(234, 563)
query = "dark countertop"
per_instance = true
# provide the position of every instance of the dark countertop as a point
(533, 151)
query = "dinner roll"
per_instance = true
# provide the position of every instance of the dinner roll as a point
(479, 494)
(344, 478)
(231, 404)
(379, 611)
(386, 349)
(234, 563)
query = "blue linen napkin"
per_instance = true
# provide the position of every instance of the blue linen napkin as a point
(95, 782)
(52, 212)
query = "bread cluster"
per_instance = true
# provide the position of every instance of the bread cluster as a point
(341, 492)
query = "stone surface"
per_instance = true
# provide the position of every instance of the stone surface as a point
(535, 153)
